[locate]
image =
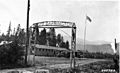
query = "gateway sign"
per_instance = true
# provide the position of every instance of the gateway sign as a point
(55, 24)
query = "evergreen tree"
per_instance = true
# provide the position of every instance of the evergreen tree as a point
(3, 37)
(67, 45)
(42, 38)
(59, 39)
(17, 33)
(18, 30)
(63, 45)
(21, 36)
(52, 37)
(37, 34)
(14, 31)
(8, 32)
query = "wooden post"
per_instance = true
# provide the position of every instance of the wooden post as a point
(74, 44)
(71, 58)
(73, 47)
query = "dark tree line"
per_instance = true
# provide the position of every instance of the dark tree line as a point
(43, 37)
(95, 55)
(18, 34)
(50, 38)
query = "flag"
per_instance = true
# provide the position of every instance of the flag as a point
(88, 18)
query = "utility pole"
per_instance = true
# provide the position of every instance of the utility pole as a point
(27, 32)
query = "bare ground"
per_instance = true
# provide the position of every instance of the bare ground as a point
(55, 63)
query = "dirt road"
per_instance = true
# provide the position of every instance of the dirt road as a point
(55, 63)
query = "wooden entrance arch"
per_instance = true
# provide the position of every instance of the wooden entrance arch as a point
(55, 24)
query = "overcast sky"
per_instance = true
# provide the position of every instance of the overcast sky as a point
(104, 15)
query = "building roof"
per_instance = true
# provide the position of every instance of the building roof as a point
(49, 47)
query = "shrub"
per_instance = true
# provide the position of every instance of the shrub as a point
(11, 54)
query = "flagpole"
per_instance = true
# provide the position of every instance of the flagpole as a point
(85, 32)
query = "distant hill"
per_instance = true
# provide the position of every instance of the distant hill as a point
(92, 46)
(104, 48)
(81, 41)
